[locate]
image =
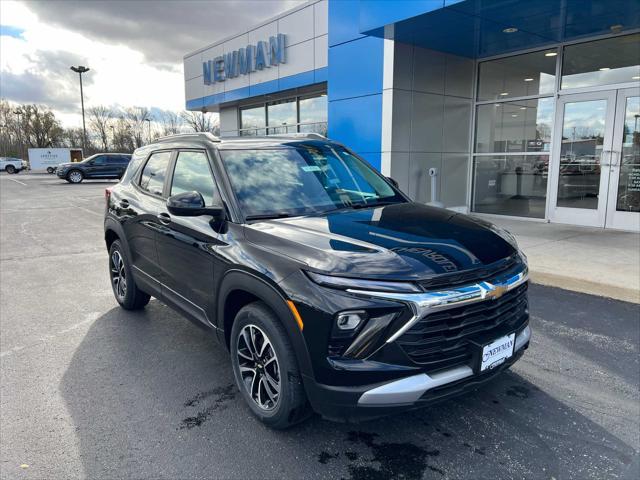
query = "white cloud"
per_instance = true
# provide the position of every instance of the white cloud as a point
(34, 67)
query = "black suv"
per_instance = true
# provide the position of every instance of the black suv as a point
(100, 165)
(330, 288)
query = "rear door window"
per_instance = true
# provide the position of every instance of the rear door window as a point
(154, 172)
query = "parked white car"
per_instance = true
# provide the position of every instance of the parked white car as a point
(11, 165)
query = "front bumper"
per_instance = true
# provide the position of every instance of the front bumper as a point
(415, 391)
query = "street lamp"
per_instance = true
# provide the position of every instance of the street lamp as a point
(80, 69)
(148, 120)
(18, 113)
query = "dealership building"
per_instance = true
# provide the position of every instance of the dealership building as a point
(527, 109)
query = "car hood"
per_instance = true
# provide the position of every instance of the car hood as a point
(400, 241)
(67, 164)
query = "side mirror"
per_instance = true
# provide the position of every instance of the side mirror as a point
(393, 182)
(191, 204)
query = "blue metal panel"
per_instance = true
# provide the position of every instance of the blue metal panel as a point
(374, 14)
(355, 68)
(321, 74)
(357, 122)
(297, 80)
(285, 83)
(475, 28)
(263, 88)
(343, 23)
(374, 158)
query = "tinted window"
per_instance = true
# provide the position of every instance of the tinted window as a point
(154, 172)
(192, 172)
(99, 160)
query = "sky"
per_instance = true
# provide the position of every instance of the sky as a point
(133, 48)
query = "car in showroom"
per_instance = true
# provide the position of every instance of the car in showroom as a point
(331, 289)
(11, 164)
(98, 166)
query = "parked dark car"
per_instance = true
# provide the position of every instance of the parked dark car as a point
(331, 289)
(100, 165)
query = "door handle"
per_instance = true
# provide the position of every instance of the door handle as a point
(164, 218)
(124, 203)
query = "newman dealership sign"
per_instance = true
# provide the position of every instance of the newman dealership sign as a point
(245, 60)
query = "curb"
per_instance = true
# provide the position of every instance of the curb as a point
(585, 286)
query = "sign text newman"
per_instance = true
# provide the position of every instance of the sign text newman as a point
(245, 60)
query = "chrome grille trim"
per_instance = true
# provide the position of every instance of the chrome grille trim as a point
(425, 303)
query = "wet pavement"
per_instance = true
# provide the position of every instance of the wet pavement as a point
(89, 390)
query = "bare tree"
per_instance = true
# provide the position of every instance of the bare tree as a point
(170, 123)
(99, 122)
(201, 122)
(40, 127)
(121, 135)
(136, 118)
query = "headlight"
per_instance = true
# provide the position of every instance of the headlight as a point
(344, 283)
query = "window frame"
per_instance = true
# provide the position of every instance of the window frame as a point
(172, 169)
(138, 177)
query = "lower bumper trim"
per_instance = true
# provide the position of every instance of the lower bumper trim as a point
(408, 390)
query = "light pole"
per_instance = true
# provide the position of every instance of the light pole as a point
(113, 136)
(18, 113)
(148, 129)
(80, 69)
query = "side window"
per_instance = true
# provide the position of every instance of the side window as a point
(154, 172)
(192, 172)
(113, 159)
(101, 160)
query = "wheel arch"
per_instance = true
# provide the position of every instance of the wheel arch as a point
(113, 231)
(239, 288)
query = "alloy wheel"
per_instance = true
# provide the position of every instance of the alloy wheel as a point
(75, 177)
(118, 276)
(259, 368)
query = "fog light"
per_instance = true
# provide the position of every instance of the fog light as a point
(350, 320)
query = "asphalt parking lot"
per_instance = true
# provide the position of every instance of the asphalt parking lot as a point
(89, 390)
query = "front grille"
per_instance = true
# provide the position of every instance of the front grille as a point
(444, 339)
(470, 276)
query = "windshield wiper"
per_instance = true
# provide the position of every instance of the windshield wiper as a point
(268, 216)
(356, 206)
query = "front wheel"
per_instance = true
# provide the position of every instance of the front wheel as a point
(75, 176)
(10, 169)
(265, 367)
(127, 293)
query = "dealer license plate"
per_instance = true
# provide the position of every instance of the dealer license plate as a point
(497, 352)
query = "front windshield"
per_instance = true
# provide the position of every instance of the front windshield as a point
(305, 179)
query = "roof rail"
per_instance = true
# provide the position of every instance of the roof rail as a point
(317, 136)
(205, 135)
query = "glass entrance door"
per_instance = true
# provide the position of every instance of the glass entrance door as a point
(595, 174)
(623, 206)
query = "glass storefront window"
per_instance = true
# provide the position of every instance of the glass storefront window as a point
(251, 119)
(521, 126)
(282, 116)
(313, 115)
(629, 180)
(603, 62)
(511, 185)
(519, 76)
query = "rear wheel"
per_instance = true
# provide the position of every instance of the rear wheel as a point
(265, 367)
(49, 169)
(10, 169)
(127, 293)
(75, 176)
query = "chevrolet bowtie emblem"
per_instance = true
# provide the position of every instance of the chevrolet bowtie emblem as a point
(496, 292)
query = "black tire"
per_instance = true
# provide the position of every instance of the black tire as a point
(10, 169)
(75, 176)
(127, 293)
(291, 406)
(49, 169)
